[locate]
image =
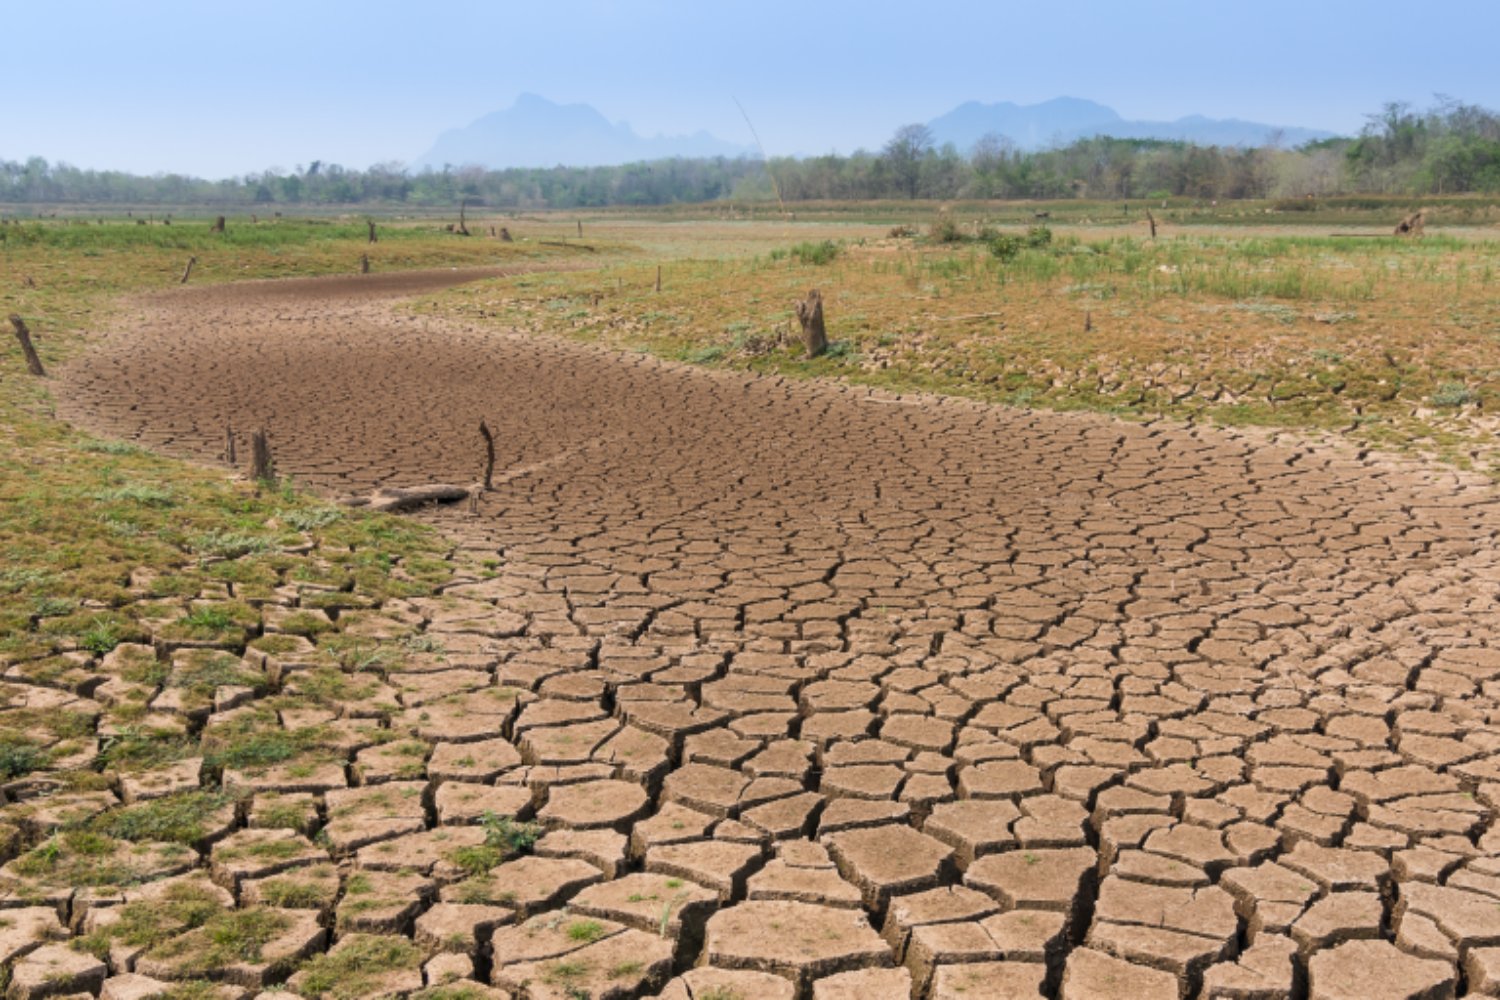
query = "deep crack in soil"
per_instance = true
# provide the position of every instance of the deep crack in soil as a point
(850, 694)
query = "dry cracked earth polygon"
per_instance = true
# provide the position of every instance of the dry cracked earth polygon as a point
(822, 692)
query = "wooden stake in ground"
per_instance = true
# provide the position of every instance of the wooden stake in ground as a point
(364, 263)
(462, 230)
(489, 453)
(810, 315)
(188, 270)
(230, 458)
(1412, 224)
(658, 277)
(33, 363)
(580, 229)
(218, 226)
(372, 232)
(1152, 220)
(261, 468)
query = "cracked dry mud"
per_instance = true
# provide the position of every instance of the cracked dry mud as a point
(824, 693)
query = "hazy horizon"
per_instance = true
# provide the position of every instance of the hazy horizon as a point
(219, 92)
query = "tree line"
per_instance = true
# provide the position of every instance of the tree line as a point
(1449, 148)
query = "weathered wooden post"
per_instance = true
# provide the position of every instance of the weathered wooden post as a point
(658, 277)
(188, 270)
(230, 458)
(489, 453)
(33, 363)
(261, 468)
(462, 230)
(372, 231)
(810, 315)
(580, 229)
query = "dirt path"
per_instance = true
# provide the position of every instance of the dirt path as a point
(1057, 702)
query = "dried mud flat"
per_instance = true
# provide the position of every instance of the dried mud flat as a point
(824, 693)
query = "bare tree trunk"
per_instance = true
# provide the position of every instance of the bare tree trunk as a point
(218, 226)
(810, 315)
(372, 232)
(33, 363)
(489, 454)
(261, 468)
(188, 270)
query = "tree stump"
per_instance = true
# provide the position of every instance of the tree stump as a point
(810, 315)
(261, 468)
(218, 226)
(33, 363)
(1412, 224)
(188, 270)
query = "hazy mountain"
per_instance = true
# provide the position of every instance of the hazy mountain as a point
(535, 132)
(1064, 119)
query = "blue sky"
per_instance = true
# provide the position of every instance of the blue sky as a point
(219, 89)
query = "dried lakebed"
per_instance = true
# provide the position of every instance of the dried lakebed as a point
(786, 689)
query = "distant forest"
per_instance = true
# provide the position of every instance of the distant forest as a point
(1450, 148)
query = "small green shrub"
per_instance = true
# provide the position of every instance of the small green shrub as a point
(822, 252)
(1005, 247)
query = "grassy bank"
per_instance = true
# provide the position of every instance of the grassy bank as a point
(104, 546)
(1392, 342)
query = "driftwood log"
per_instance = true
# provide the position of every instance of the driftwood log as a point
(810, 315)
(393, 498)
(33, 363)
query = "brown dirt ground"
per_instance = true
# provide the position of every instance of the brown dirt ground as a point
(1039, 704)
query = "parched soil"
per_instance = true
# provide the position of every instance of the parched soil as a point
(863, 695)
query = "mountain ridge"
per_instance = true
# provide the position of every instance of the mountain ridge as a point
(537, 132)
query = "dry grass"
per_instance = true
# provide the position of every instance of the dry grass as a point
(1394, 343)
